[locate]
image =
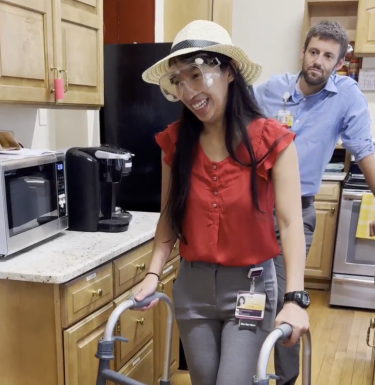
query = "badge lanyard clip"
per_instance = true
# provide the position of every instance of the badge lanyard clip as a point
(286, 97)
(253, 274)
(252, 285)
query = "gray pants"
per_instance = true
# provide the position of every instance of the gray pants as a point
(287, 358)
(204, 297)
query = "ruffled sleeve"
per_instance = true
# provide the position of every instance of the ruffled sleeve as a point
(166, 140)
(272, 135)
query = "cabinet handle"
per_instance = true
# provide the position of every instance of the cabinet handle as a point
(141, 267)
(141, 321)
(66, 79)
(372, 326)
(333, 209)
(57, 88)
(161, 286)
(97, 293)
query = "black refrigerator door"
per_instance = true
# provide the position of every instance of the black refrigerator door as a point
(133, 112)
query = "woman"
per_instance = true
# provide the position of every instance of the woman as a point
(224, 167)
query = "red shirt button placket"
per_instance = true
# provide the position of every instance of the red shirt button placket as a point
(215, 185)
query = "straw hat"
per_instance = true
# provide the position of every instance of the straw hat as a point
(203, 35)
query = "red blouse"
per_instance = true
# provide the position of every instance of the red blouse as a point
(221, 225)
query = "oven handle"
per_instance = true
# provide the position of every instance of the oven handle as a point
(354, 280)
(352, 196)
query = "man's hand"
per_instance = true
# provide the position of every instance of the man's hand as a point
(372, 228)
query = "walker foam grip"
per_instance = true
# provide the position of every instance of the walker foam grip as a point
(286, 329)
(146, 301)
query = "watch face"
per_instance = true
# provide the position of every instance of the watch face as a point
(305, 299)
(302, 298)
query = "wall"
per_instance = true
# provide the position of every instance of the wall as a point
(50, 129)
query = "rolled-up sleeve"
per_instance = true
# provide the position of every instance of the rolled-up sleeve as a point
(356, 130)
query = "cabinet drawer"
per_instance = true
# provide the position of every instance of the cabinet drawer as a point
(175, 251)
(137, 327)
(85, 294)
(329, 191)
(132, 267)
(170, 267)
(141, 366)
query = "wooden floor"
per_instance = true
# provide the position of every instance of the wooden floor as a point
(340, 355)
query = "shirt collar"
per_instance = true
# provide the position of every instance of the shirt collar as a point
(296, 96)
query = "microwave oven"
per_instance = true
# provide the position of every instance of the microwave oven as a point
(33, 202)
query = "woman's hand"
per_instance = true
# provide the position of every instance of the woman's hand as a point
(372, 228)
(296, 317)
(144, 289)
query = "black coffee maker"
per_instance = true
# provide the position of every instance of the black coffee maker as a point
(92, 175)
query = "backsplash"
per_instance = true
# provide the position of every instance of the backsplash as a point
(50, 128)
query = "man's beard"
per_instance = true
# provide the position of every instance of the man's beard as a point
(316, 80)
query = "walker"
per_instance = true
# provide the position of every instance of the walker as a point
(106, 344)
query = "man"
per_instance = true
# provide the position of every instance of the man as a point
(319, 106)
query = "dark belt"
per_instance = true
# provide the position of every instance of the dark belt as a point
(307, 201)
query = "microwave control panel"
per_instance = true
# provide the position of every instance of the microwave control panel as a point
(61, 193)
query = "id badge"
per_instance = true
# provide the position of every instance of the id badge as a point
(250, 305)
(285, 117)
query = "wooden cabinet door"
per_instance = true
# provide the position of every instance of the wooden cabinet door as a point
(319, 260)
(365, 33)
(80, 345)
(167, 278)
(79, 50)
(178, 13)
(26, 51)
(222, 13)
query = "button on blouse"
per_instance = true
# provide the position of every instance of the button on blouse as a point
(221, 225)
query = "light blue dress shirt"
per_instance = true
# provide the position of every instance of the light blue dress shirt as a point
(339, 109)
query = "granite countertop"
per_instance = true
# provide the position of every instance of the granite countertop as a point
(72, 253)
(334, 176)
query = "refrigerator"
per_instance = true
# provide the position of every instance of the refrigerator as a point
(133, 112)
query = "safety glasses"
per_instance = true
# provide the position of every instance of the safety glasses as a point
(192, 76)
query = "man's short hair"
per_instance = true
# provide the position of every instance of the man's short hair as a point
(329, 30)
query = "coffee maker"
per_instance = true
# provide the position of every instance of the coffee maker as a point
(92, 175)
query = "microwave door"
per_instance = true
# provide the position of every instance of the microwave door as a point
(21, 207)
(40, 189)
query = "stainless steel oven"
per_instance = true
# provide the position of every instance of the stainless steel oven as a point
(354, 259)
(32, 200)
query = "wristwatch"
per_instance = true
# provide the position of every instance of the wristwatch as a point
(301, 298)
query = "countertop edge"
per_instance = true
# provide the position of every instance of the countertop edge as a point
(334, 176)
(84, 267)
(88, 266)
(48, 262)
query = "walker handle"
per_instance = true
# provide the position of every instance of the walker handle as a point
(106, 344)
(282, 332)
(146, 301)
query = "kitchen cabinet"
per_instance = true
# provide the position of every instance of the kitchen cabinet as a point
(356, 16)
(39, 35)
(365, 36)
(78, 49)
(51, 331)
(178, 13)
(320, 256)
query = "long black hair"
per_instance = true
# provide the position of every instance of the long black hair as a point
(241, 109)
